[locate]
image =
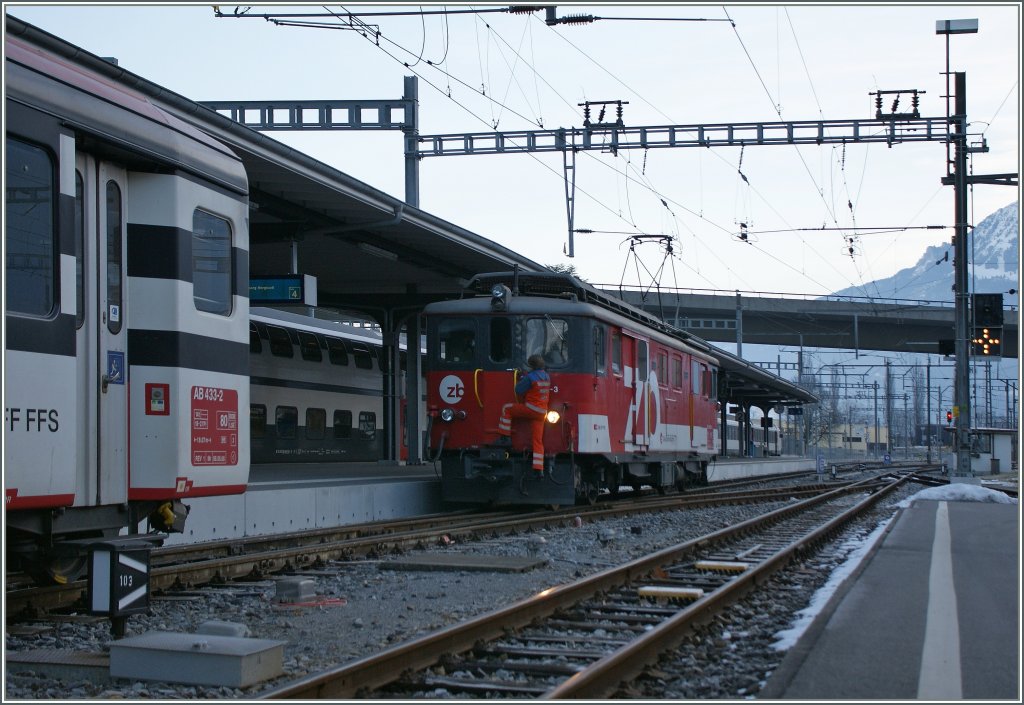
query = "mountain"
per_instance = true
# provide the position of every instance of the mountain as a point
(993, 265)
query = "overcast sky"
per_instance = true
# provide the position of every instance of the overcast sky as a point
(481, 70)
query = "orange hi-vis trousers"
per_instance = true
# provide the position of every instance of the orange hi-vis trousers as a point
(536, 417)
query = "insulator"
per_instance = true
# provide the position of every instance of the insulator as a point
(576, 19)
(521, 9)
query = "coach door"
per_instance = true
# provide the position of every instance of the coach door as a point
(103, 331)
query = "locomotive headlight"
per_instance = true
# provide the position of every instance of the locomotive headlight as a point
(553, 417)
(447, 415)
(499, 297)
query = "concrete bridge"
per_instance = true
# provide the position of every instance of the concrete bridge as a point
(833, 322)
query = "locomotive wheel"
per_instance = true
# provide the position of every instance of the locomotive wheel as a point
(587, 494)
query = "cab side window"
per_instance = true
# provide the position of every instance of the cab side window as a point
(457, 340)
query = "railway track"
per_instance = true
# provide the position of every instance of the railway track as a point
(583, 639)
(255, 557)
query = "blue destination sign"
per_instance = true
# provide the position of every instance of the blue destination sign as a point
(277, 289)
(283, 289)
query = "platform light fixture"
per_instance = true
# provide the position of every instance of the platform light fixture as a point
(378, 251)
(956, 26)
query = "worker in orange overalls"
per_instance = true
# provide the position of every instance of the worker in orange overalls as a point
(535, 388)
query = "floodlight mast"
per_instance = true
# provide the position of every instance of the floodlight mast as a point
(958, 122)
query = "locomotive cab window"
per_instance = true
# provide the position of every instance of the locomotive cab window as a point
(616, 353)
(677, 372)
(599, 367)
(501, 340)
(211, 263)
(549, 337)
(457, 340)
(662, 370)
(31, 247)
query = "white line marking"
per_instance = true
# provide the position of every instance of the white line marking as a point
(940, 660)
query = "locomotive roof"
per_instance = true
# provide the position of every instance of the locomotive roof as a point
(746, 382)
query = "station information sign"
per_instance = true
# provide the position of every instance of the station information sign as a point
(283, 289)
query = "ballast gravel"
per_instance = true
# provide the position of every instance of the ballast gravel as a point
(362, 607)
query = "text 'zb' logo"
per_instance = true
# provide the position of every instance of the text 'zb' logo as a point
(451, 389)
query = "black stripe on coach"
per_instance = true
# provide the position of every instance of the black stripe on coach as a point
(162, 348)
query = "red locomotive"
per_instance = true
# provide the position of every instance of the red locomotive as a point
(630, 402)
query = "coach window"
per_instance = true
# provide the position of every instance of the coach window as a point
(617, 353)
(211, 263)
(255, 344)
(286, 419)
(257, 420)
(316, 424)
(31, 252)
(280, 343)
(695, 376)
(501, 340)
(599, 350)
(337, 354)
(367, 424)
(342, 423)
(114, 311)
(79, 249)
(457, 340)
(549, 337)
(309, 346)
(363, 357)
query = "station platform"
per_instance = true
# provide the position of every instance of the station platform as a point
(932, 612)
(301, 496)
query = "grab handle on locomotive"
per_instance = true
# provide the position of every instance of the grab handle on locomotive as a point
(476, 386)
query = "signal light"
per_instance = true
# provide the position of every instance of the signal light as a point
(949, 417)
(987, 341)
